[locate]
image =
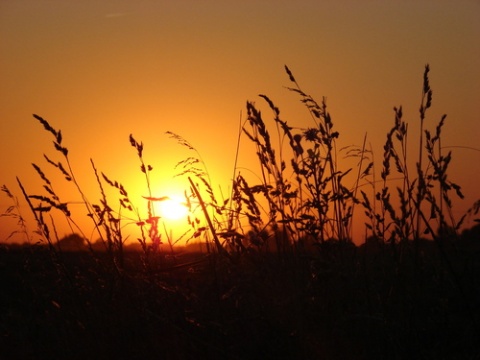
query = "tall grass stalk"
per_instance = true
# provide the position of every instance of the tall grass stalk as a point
(318, 204)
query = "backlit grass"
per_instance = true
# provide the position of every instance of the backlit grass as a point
(274, 273)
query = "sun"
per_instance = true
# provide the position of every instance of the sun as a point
(172, 208)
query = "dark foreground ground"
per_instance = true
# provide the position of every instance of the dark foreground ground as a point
(339, 302)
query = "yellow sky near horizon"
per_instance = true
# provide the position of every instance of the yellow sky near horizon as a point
(100, 71)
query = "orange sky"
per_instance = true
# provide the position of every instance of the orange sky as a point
(102, 70)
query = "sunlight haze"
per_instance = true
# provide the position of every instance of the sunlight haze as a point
(100, 71)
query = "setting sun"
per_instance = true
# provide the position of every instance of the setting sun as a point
(172, 208)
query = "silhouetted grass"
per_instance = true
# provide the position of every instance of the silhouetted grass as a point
(280, 277)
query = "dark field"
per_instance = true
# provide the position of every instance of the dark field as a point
(338, 302)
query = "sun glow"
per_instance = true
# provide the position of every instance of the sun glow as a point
(172, 208)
